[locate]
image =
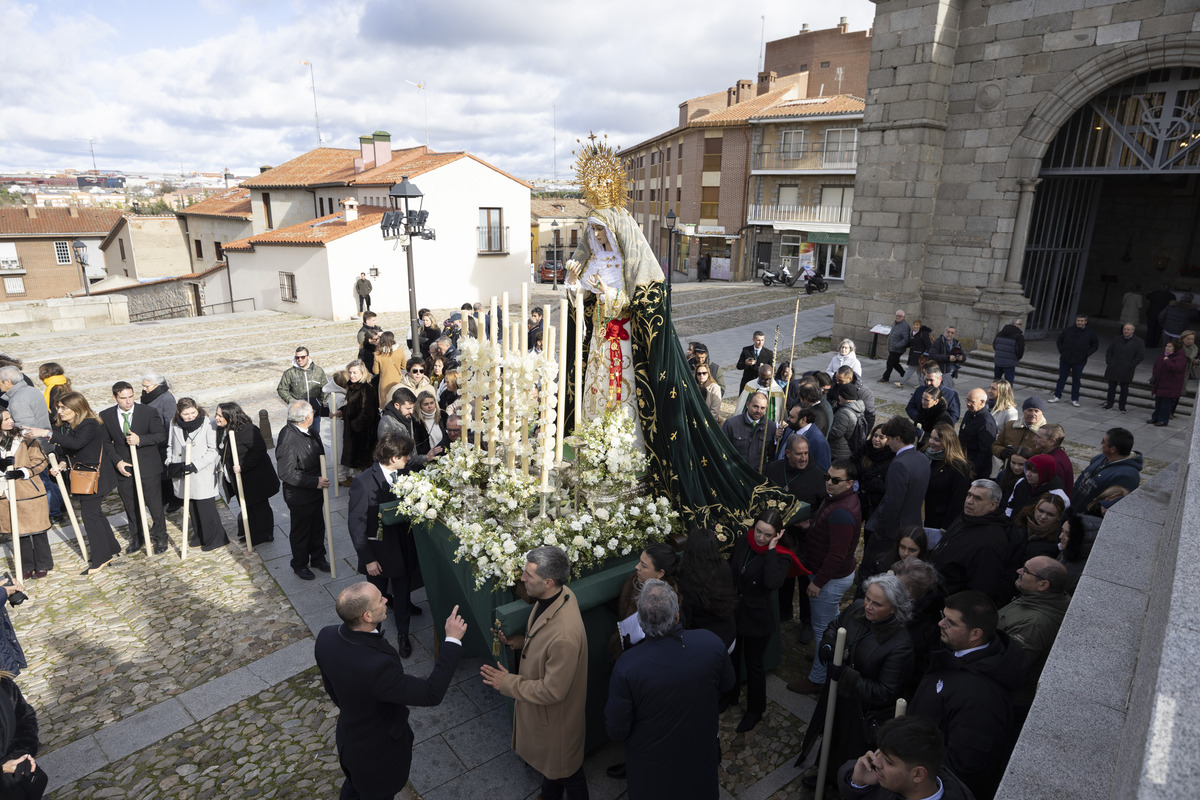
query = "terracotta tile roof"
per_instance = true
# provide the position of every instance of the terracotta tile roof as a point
(187, 276)
(741, 112)
(231, 203)
(332, 166)
(313, 233)
(815, 106)
(573, 208)
(15, 221)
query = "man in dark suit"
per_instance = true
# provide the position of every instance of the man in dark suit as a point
(752, 355)
(365, 678)
(385, 552)
(128, 426)
(903, 494)
(298, 452)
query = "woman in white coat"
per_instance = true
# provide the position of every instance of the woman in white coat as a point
(192, 425)
(846, 357)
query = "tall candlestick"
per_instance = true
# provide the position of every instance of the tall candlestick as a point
(510, 396)
(492, 319)
(546, 443)
(524, 339)
(579, 360)
(504, 311)
(562, 382)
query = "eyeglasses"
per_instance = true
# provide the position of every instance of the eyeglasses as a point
(701, 373)
(833, 480)
(417, 371)
(1022, 570)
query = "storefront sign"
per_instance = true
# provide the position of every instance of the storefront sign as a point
(827, 238)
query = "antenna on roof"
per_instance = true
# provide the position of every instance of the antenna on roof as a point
(762, 45)
(421, 88)
(313, 80)
(91, 140)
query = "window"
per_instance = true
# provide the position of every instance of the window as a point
(824, 65)
(804, 67)
(121, 244)
(14, 287)
(199, 249)
(62, 252)
(710, 202)
(574, 237)
(218, 251)
(712, 155)
(267, 210)
(320, 206)
(791, 144)
(491, 231)
(841, 146)
(789, 195)
(287, 287)
(836, 203)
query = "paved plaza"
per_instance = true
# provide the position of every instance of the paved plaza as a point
(159, 678)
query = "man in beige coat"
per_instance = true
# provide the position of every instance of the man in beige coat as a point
(551, 689)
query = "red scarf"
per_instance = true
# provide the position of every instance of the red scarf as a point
(797, 569)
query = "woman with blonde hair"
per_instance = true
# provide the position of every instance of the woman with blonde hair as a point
(90, 475)
(389, 365)
(711, 390)
(1002, 404)
(949, 477)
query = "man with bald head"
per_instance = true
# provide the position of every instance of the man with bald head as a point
(365, 679)
(1033, 619)
(745, 431)
(977, 432)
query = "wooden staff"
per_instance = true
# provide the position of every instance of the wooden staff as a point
(66, 497)
(829, 705)
(792, 351)
(141, 500)
(328, 528)
(187, 497)
(16, 531)
(332, 439)
(241, 492)
(766, 422)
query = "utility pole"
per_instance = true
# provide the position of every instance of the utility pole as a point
(316, 117)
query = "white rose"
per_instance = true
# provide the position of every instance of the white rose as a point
(551, 539)
(509, 547)
(579, 541)
(598, 551)
(601, 514)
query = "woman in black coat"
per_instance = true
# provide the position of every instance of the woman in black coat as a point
(922, 340)
(949, 477)
(877, 664)
(361, 415)
(760, 564)
(81, 440)
(872, 460)
(429, 426)
(933, 412)
(18, 742)
(259, 481)
(707, 599)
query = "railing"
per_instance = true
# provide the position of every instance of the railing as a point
(186, 310)
(493, 239)
(759, 212)
(12, 266)
(805, 158)
(232, 305)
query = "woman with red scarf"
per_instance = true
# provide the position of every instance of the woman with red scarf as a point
(760, 564)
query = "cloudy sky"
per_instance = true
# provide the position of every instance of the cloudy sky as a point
(209, 84)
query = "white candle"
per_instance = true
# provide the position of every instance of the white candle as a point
(492, 321)
(562, 382)
(579, 360)
(523, 339)
(546, 443)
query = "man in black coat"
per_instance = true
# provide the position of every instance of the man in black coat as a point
(967, 687)
(903, 495)
(386, 552)
(753, 355)
(798, 473)
(662, 701)
(934, 378)
(365, 678)
(977, 433)
(974, 550)
(1121, 360)
(1075, 347)
(298, 453)
(129, 425)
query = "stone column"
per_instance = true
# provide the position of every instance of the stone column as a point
(1020, 237)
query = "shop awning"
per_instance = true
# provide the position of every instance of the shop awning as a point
(841, 230)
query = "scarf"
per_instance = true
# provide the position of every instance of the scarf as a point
(432, 428)
(797, 568)
(935, 455)
(192, 426)
(151, 396)
(50, 383)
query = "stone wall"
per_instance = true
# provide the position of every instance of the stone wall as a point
(963, 99)
(62, 314)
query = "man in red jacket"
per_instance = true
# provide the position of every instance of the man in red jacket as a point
(829, 553)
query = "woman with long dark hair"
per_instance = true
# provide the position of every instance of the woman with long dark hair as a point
(707, 598)
(1038, 525)
(872, 460)
(192, 425)
(81, 440)
(949, 477)
(259, 481)
(657, 561)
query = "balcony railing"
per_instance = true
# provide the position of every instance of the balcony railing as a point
(493, 239)
(759, 212)
(814, 157)
(11, 266)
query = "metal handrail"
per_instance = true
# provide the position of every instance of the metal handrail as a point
(176, 312)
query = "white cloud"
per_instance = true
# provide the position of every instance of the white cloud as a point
(219, 83)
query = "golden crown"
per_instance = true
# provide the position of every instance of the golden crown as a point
(600, 174)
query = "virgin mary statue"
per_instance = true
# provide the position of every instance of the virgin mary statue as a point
(635, 364)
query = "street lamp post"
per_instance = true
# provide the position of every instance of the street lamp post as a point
(671, 219)
(81, 257)
(404, 224)
(554, 233)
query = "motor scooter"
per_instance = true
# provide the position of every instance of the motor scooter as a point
(784, 276)
(813, 281)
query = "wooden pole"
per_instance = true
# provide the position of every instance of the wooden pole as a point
(333, 439)
(328, 528)
(241, 492)
(562, 381)
(792, 349)
(66, 496)
(16, 530)
(187, 498)
(829, 705)
(143, 512)
(766, 422)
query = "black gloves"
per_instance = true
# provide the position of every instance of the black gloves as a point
(1007, 452)
(175, 470)
(188, 469)
(6, 462)
(825, 653)
(17, 474)
(834, 671)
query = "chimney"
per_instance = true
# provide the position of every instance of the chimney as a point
(73, 210)
(367, 148)
(842, 26)
(804, 28)
(383, 148)
(766, 81)
(351, 212)
(744, 90)
(730, 96)
(263, 168)
(31, 209)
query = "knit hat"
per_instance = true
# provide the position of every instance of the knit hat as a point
(847, 391)
(1034, 402)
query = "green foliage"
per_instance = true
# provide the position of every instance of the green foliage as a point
(7, 198)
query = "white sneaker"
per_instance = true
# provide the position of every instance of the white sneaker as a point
(1075, 403)
(1055, 399)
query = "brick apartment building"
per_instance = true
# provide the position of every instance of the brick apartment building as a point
(708, 169)
(36, 256)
